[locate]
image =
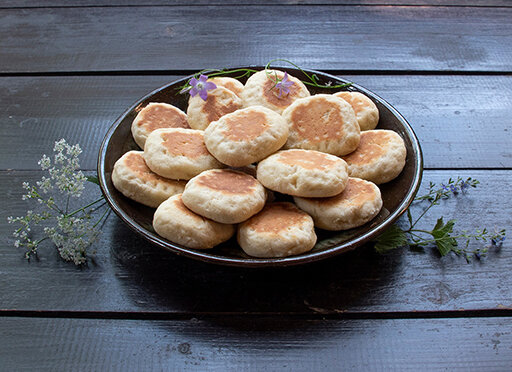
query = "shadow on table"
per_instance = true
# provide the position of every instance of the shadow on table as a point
(157, 280)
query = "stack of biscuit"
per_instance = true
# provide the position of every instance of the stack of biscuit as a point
(211, 172)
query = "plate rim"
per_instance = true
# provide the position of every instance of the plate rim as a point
(308, 257)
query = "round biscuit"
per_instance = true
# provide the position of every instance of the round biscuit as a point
(367, 113)
(246, 136)
(174, 221)
(380, 156)
(154, 116)
(220, 101)
(132, 177)
(323, 123)
(260, 90)
(359, 203)
(178, 153)
(229, 83)
(279, 230)
(224, 195)
(306, 173)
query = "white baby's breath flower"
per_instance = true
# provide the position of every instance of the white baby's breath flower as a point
(72, 232)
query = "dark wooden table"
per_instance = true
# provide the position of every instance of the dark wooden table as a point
(68, 69)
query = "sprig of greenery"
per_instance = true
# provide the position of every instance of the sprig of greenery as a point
(441, 236)
(72, 232)
(313, 79)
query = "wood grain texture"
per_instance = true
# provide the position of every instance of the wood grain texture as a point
(171, 38)
(108, 3)
(234, 344)
(130, 275)
(461, 121)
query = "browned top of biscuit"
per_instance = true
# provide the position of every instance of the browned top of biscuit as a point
(190, 145)
(277, 217)
(135, 162)
(214, 107)
(356, 192)
(318, 120)
(307, 159)
(357, 101)
(245, 125)
(157, 116)
(271, 93)
(228, 84)
(227, 181)
(372, 145)
(178, 204)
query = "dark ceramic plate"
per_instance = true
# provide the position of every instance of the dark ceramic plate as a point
(397, 194)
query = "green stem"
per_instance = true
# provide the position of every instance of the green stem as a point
(84, 207)
(422, 214)
(102, 216)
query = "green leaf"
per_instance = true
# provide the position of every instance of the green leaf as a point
(93, 179)
(441, 233)
(392, 238)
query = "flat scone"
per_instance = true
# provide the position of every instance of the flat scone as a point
(304, 173)
(132, 177)
(178, 153)
(220, 101)
(367, 113)
(246, 136)
(359, 203)
(323, 123)
(229, 83)
(156, 115)
(380, 156)
(175, 222)
(224, 195)
(279, 230)
(260, 90)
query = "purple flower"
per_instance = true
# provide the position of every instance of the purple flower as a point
(464, 185)
(201, 87)
(453, 189)
(284, 85)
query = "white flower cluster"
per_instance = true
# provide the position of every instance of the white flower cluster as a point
(72, 232)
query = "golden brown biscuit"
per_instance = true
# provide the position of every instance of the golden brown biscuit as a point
(305, 173)
(260, 90)
(224, 195)
(178, 153)
(323, 123)
(367, 113)
(380, 156)
(246, 136)
(175, 222)
(279, 230)
(359, 203)
(220, 101)
(229, 83)
(132, 177)
(156, 115)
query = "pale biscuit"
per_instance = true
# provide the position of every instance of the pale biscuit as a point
(224, 195)
(304, 173)
(246, 136)
(178, 153)
(323, 123)
(279, 230)
(359, 203)
(175, 222)
(220, 101)
(154, 116)
(260, 90)
(132, 177)
(380, 156)
(229, 83)
(367, 113)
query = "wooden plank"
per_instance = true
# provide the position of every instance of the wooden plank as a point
(457, 128)
(109, 3)
(234, 344)
(171, 38)
(130, 275)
